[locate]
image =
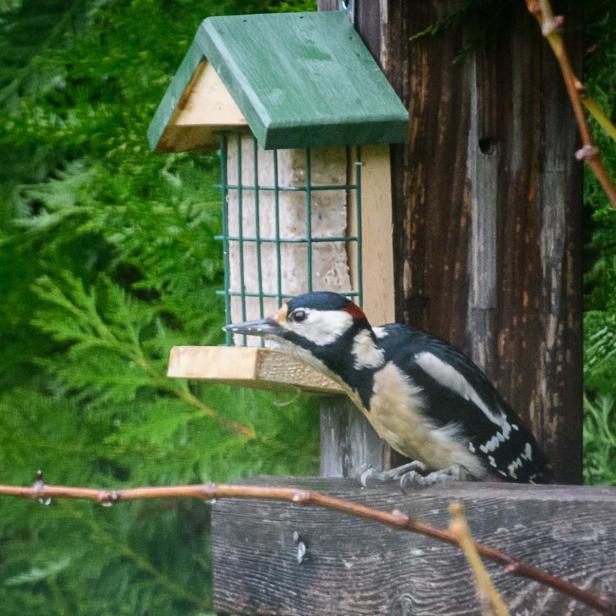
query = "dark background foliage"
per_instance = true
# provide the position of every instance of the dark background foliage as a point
(107, 259)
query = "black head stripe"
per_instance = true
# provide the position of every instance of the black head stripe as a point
(321, 300)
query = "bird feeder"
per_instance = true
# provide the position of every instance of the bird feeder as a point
(303, 118)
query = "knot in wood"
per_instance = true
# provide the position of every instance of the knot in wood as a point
(487, 145)
(402, 606)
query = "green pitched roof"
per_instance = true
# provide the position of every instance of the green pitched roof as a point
(300, 80)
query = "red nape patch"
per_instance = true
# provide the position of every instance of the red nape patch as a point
(355, 311)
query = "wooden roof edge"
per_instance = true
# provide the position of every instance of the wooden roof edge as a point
(378, 127)
(174, 93)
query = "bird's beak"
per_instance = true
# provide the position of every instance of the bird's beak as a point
(260, 327)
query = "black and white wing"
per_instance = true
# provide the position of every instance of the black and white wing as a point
(458, 393)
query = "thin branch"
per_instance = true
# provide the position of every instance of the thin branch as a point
(396, 519)
(490, 601)
(597, 113)
(551, 25)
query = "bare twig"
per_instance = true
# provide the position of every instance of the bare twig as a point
(597, 113)
(396, 519)
(489, 599)
(550, 28)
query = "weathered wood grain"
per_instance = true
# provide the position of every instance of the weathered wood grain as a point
(487, 210)
(359, 567)
(348, 441)
(327, 5)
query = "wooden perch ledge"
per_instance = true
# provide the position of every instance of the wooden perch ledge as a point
(247, 367)
(315, 561)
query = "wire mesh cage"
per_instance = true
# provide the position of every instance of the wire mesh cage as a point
(292, 223)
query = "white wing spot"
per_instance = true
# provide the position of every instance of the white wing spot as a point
(366, 353)
(527, 455)
(517, 463)
(379, 332)
(497, 439)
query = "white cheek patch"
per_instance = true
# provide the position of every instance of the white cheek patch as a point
(449, 377)
(366, 354)
(321, 327)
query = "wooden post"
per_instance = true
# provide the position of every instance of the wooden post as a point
(348, 441)
(487, 207)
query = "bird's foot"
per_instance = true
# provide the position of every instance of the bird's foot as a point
(414, 478)
(369, 477)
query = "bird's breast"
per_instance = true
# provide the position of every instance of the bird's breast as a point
(397, 411)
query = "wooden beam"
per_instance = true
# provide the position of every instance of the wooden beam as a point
(353, 566)
(377, 249)
(247, 367)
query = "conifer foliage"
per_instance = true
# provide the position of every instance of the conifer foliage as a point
(107, 259)
(600, 278)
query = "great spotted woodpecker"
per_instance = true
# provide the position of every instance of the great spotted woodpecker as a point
(425, 398)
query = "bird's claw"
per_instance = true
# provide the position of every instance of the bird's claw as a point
(412, 475)
(413, 479)
(369, 477)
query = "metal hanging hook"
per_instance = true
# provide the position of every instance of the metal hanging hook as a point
(348, 6)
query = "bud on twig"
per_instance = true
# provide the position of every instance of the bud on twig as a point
(587, 152)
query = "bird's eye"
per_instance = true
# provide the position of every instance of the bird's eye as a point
(298, 316)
